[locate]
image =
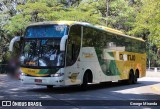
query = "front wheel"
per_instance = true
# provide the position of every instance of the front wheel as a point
(84, 85)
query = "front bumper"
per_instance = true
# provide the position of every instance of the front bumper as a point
(55, 81)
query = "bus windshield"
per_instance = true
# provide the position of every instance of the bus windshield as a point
(41, 46)
(42, 52)
(46, 31)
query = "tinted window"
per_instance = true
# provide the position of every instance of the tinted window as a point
(98, 38)
(74, 44)
(46, 31)
(88, 37)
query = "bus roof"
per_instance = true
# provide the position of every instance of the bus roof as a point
(103, 28)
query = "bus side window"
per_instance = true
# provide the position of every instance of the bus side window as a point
(143, 47)
(73, 46)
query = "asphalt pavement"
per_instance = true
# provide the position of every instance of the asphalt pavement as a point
(147, 88)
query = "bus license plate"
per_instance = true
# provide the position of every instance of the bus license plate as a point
(38, 80)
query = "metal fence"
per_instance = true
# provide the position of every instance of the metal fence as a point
(3, 68)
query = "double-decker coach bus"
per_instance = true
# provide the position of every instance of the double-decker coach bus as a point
(62, 53)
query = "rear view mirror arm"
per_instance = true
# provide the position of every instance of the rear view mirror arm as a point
(15, 39)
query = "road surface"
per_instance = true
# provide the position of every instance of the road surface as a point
(147, 88)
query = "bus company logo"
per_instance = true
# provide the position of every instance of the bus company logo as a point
(126, 57)
(73, 77)
(6, 103)
(87, 55)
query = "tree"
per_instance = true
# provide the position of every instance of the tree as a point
(107, 11)
(147, 26)
(46, 11)
(147, 21)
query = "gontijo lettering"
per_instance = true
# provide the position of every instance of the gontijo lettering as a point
(129, 57)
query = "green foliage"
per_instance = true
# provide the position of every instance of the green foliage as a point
(154, 59)
(147, 25)
(49, 11)
(121, 15)
(16, 25)
(148, 21)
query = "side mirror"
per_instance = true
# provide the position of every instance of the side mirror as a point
(15, 39)
(63, 42)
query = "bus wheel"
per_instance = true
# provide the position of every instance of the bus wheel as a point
(136, 77)
(85, 82)
(49, 86)
(131, 77)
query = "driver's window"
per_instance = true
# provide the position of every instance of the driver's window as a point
(73, 46)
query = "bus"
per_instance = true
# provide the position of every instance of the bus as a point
(64, 53)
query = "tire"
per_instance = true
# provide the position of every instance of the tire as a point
(49, 86)
(135, 77)
(84, 85)
(131, 78)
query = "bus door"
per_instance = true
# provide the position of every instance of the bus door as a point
(72, 70)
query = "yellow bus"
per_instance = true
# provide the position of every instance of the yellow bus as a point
(63, 53)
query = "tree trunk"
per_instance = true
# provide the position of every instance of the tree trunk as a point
(107, 11)
(69, 3)
(131, 2)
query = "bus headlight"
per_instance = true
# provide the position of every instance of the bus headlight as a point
(57, 74)
(23, 74)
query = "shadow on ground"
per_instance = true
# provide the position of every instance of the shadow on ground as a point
(12, 89)
(91, 87)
